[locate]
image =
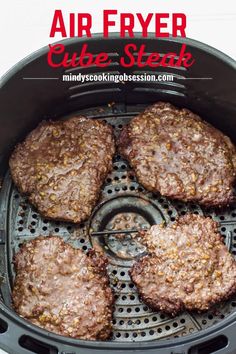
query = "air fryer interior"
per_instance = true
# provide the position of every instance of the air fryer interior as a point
(124, 203)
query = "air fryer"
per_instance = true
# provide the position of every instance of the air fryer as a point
(24, 103)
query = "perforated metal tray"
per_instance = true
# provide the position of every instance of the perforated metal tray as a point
(123, 203)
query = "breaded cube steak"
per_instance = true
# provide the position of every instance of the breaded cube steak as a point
(174, 152)
(62, 165)
(63, 290)
(188, 268)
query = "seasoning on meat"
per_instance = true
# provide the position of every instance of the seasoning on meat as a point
(188, 267)
(176, 153)
(62, 165)
(63, 290)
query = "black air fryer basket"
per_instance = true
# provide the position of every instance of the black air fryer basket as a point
(24, 103)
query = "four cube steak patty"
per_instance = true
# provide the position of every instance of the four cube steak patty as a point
(176, 153)
(61, 289)
(62, 165)
(189, 267)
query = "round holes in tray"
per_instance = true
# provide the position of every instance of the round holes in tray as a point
(133, 321)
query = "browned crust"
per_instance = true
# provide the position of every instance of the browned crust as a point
(167, 304)
(159, 145)
(61, 166)
(62, 290)
(152, 273)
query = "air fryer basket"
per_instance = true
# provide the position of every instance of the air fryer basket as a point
(24, 103)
